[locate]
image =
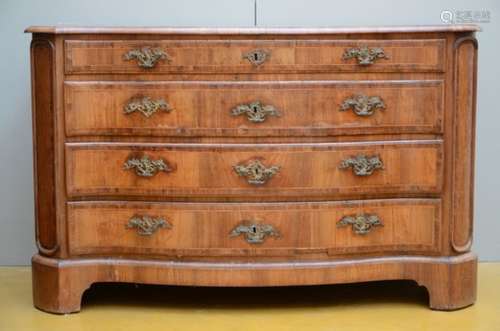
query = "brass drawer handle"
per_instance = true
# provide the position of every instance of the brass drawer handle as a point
(145, 167)
(147, 225)
(254, 233)
(362, 105)
(361, 224)
(255, 111)
(146, 106)
(364, 55)
(257, 56)
(255, 172)
(147, 57)
(362, 165)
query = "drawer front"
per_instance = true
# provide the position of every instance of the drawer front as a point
(253, 56)
(311, 108)
(406, 225)
(244, 170)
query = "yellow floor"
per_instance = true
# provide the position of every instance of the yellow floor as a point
(369, 306)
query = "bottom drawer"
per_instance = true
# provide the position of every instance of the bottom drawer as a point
(249, 229)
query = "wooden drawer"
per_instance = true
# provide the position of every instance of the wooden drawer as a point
(407, 225)
(235, 56)
(246, 170)
(309, 108)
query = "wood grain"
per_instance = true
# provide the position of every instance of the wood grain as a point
(59, 284)
(425, 139)
(95, 30)
(219, 56)
(464, 142)
(43, 92)
(203, 229)
(207, 170)
(307, 108)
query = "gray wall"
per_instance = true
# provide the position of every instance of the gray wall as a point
(16, 193)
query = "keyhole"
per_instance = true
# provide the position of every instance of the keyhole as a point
(255, 109)
(253, 229)
(256, 56)
(257, 172)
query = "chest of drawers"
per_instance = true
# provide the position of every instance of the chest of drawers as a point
(253, 157)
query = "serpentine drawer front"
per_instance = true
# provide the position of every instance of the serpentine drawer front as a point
(249, 56)
(229, 229)
(253, 157)
(298, 108)
(253, 170)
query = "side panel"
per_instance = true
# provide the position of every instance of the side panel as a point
(43, 90)
(465, 53)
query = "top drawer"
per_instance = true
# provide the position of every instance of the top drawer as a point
(253, 56)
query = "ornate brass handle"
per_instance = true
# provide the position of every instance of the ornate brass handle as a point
(255, 111)
(147, 225)
(362, 105)
(257, 56)
(145, 167)
(147, 57)
(364, 54)
(146, 106)
(362, 165)
(255, 233)
(255, 172)
(361, 224)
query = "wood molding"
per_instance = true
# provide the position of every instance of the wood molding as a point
(61, 29)
(43, 99)
(59, 284)
(465, 80)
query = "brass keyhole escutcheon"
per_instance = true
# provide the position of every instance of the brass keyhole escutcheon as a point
(257, 56)
(256, 112)
(255, 172)
(254, 232)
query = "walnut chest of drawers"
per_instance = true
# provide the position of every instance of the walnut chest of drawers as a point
(253, 157)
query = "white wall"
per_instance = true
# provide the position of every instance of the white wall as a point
(16, 179)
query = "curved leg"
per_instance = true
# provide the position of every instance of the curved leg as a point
(55, 289)
(450, 285)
